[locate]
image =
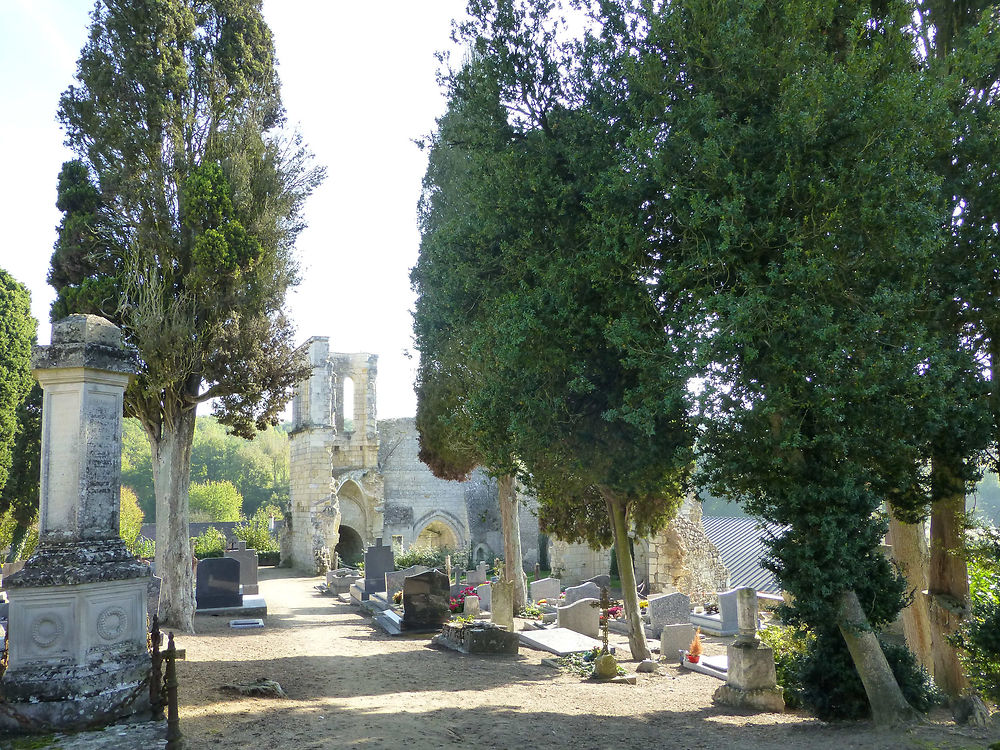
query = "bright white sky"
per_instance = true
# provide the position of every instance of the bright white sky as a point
(359, 80)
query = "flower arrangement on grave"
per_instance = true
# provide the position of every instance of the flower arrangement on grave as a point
(532, 611)
(397, 598)
(457, 603)
(615, 611)
(643, 604)
(695, 649)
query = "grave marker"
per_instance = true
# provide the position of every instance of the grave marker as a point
(378, 562)
(582, 617)
(218, 583)
(502, 604)
(588, 590)
(547, 588)
(425, 601)
(248, 566)
(669, 609)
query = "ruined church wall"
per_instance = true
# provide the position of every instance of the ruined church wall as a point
(414, 497)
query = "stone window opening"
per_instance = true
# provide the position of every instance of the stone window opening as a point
(347, 401)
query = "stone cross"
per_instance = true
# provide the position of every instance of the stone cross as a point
(604, 603)
(746, 618)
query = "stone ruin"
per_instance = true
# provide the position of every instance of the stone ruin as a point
(77, 652)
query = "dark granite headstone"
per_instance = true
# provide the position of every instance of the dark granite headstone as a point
(425, 601)
(378, 562)
(218, 583)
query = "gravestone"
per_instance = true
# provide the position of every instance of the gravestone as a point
(218, 583)
(722, 624)
(477, 576)
(471, 606)
(547, 588)
(248, 566)
(675, 638)
(378, 562)
(669, 609)
(602, 581)
(425, 601)
(558, 641)
(582, 617)
(394, 579)
(502, 604)
(485, 594)
(588, 590)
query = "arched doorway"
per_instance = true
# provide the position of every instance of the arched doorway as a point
(350, 549)
(437, 535)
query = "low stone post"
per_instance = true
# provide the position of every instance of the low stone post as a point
(77, 636)
(751, 681)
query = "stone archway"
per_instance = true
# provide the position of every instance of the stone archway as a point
(350, 549)
(437, 535)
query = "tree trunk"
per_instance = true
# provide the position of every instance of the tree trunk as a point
(948, 576)
(636, 632)
(171, 454)
(513, 565)
(888, 705)
(909, 551)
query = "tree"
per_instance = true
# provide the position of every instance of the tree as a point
(20, 495)
(17, 333)
(215, 501)
(129, 519)
(187, 201)
(959, 45)
(782, 159)
(533, 308)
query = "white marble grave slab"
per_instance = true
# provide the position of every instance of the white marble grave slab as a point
(559, 641)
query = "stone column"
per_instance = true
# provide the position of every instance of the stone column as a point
(77, 635)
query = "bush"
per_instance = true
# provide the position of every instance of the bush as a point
(215, 501)
(789, 645)
(256, 534)
(430, 557)
(129, 520)
(210, 544)
(979, 637)
(831, 687)
(269, 558)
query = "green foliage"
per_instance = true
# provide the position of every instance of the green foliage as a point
(258, 468)
(831, 688)
(130, 521)
(215, 501)
(979, 637)
(195, 194)
(19, 496)
(790, 645)
(212, 543)
(17, 333)
(255, 532)
(431, 557)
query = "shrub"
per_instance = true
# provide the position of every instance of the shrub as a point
(979, 637)
(832, 689)
(215, 501)
(431, 557)
(269, 558)
(256, 533)
(789, 645)
(210, 544)
(129, 520)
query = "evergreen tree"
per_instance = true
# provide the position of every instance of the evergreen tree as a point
(186, 202)
(17, 333)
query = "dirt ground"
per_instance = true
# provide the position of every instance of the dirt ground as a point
(350, 685)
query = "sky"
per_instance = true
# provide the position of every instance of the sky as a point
(358, 80)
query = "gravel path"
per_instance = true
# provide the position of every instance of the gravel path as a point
(351, 686)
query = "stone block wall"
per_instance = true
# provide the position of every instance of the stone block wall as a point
(574, 563)
(410, 486)
(682, 558)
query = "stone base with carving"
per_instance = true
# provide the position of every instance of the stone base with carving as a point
(78, 655)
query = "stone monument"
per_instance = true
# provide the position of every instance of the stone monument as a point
(77, 628)
(751, 681)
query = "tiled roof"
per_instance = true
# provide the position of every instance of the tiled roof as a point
(740, 542)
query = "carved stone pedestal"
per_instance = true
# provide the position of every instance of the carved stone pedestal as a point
(77, 622)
